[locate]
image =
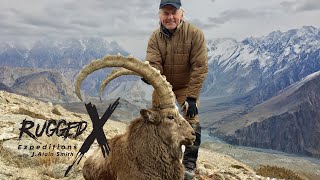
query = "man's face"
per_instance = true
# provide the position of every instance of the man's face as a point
(170, 17)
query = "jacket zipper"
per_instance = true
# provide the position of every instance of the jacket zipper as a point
(172, 60)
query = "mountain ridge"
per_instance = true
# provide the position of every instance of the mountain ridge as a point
(65, 53)
(260, 67)
(288, 122)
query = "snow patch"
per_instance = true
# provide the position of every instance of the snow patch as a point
(246, 56)
(222, 48)
(286, 51)
(84, 47)
(296, 48)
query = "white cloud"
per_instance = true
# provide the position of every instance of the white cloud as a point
(80, 18)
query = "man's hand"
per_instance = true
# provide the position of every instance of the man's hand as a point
(145, 81)
(191, 106)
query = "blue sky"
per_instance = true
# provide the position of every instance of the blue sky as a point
(131, 22)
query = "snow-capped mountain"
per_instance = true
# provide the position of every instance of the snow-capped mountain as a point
(260, 67)
(67, 53)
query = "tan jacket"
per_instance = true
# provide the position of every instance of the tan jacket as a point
(182, 58)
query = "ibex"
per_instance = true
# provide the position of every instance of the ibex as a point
(150, 149)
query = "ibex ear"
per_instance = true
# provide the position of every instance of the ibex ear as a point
(149, 115)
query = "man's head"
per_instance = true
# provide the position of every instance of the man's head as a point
(170, 14)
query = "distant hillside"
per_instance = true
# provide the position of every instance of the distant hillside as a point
(9, 74)
(288, 122)
(4, 87)
(44, 85)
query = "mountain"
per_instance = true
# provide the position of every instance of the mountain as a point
(52, 54)
(9, 74)
(290, 121)
(65, 57)
(46, 85)
(261, 92)
(13, 54)
(255, 69)
(134, 91)
(4, 87)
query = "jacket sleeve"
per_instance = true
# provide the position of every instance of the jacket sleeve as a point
(199, 64)
(153, 53)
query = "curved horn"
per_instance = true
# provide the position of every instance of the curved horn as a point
(152, 75)
(114, 74)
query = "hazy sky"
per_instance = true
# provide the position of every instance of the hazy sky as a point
(130, 22)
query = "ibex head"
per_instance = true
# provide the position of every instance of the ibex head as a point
(174, 129)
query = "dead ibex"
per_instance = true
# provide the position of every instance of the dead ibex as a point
(151, 146)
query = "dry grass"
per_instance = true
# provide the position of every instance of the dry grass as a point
(238, 167)
(77, 115)
(49, 160)
(30, 113)
(51, 165)
(277, 172)
(13, 159)
(27, 161)
(56, 111)
(54, 166)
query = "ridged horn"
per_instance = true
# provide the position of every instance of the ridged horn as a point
(152, 75)
(114, 74)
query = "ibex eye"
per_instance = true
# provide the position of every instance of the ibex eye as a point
(170, 117)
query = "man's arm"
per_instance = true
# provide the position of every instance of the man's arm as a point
(153, 53)
(199, 64)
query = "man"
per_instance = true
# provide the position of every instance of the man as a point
(178, 50)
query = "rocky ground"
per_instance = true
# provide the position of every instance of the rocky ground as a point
(19, 163)
(305, 167)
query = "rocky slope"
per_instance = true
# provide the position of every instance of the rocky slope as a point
(307, 168)
(288, 122)
(9, 74)
(18, 164)
(46, 85)
(4, 87)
